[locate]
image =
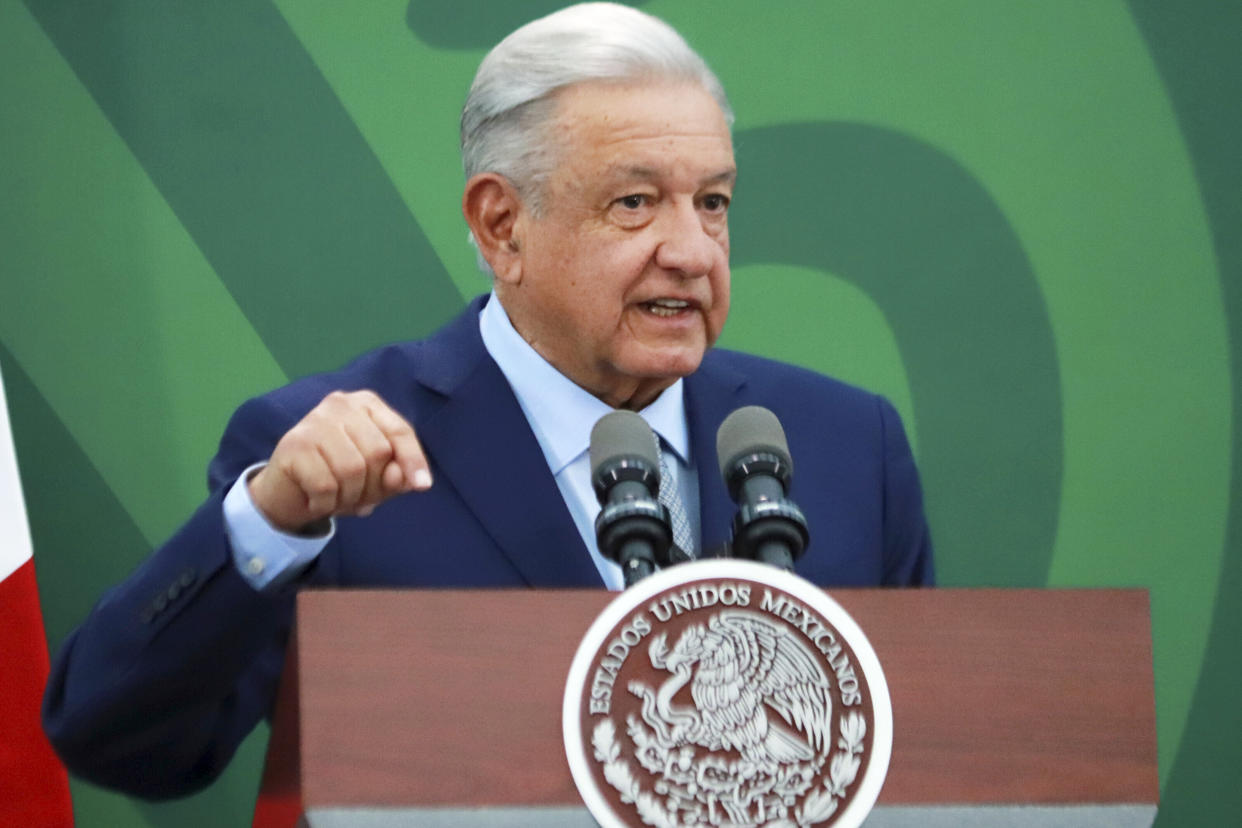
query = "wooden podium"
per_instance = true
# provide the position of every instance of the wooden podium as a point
(443, 708)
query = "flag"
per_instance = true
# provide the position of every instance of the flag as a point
(34, 789)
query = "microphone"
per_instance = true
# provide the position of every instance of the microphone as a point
(756, 466)
(633, 526)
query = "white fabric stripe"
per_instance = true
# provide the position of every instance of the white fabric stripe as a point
(15, 547)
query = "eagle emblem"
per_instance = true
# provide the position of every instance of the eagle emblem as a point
(739, 667)
(749, 738)
(726, 694)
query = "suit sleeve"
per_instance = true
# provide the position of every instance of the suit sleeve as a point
(173, 667)
(907, 540)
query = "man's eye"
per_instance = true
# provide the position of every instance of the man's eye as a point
(632, 202)
(715, 203)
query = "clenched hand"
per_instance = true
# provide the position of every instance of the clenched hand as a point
(348, 455)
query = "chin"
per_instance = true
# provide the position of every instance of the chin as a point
(670, 366)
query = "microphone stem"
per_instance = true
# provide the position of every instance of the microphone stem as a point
(637, 560)
(775, 553)
(635, 569)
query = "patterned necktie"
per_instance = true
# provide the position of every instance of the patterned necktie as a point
(671, 499)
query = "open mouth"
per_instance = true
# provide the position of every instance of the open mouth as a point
(666, 307)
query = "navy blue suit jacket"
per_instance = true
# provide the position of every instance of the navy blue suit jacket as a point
(173, 667)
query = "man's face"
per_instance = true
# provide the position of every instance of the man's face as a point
(623, 281)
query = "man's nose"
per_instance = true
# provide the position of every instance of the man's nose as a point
(686, 247)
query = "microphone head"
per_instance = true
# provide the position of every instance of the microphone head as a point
(624, 448)
(622, 434)
(750, 431)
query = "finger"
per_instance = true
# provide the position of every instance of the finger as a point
(377, 452)
(407, 452)
(318, 484)
(341, 454)
(394, 478)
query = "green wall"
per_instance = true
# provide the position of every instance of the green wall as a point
(1022, 221)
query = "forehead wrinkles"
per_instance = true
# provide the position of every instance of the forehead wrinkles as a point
(595, 132)
(599, 114)
(626, 171)
(695, 160)
(609, 133)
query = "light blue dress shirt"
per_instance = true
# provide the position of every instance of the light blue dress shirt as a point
(561, 415)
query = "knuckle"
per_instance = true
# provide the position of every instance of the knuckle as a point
(353, 467)
(296, 438)
(322, 487)
(284, 462)
(330, 402)
(320, 505)
(314, 423)
(377, 453)
(332, 406)
(298, 442)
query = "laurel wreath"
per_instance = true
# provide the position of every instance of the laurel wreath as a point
(820, 804)
(617, 772)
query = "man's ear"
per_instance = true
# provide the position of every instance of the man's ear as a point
(494, 212)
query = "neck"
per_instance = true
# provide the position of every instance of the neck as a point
(635, 396)
(617, 391)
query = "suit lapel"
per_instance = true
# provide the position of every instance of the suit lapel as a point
(480, 440)
(712, 393)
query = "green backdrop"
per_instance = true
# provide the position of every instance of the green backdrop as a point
(1022, 221)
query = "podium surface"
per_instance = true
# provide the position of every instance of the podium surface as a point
(1013, 707)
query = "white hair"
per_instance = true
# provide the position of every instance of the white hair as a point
(505, 118)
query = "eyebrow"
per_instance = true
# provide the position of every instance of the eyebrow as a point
(727, 176)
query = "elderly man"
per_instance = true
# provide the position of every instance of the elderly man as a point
(600, 171)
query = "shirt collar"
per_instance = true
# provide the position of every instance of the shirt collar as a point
(560, 412)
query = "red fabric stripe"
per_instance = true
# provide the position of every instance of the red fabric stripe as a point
(277, 810)
(34, 790)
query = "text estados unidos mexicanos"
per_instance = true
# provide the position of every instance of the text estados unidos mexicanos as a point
(704, 596)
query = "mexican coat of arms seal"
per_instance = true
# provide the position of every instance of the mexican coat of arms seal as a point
(727, 694)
